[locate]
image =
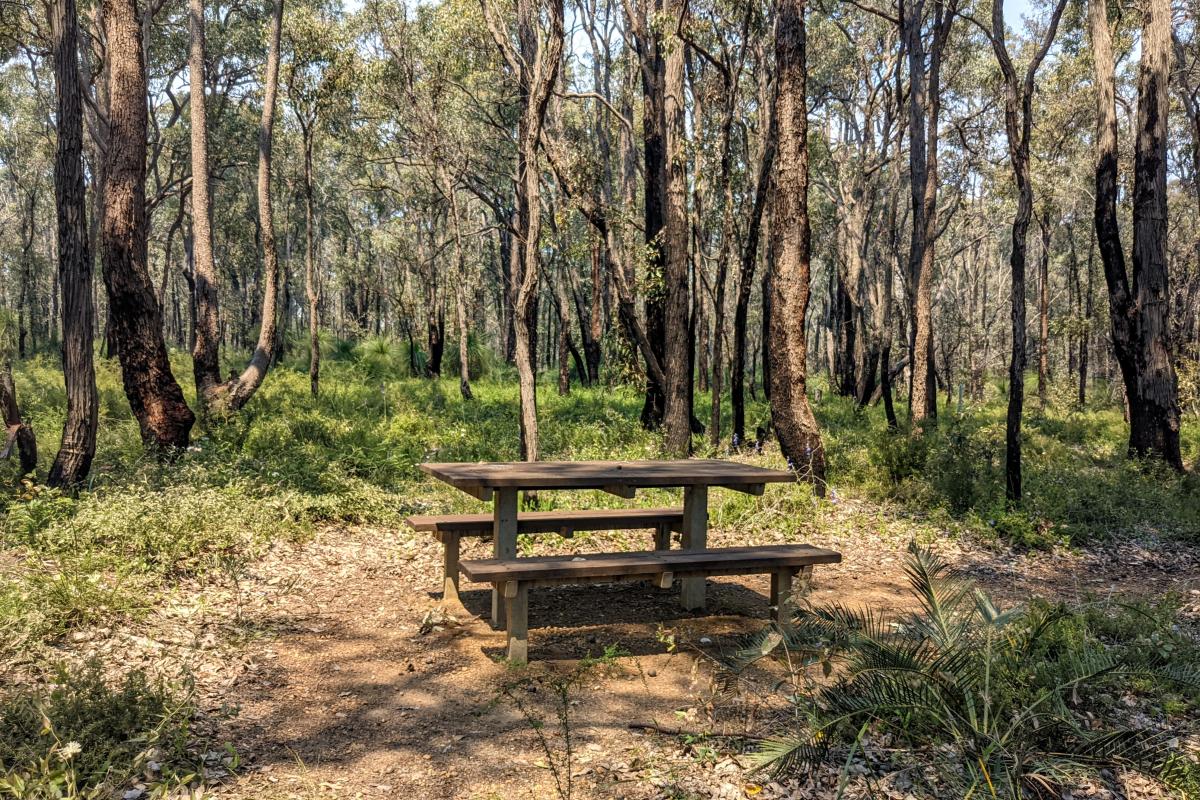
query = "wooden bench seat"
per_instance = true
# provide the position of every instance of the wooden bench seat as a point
(515, 576)
(450, 528)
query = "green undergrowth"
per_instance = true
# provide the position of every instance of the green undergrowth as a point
(1078, 484)
(88, 735)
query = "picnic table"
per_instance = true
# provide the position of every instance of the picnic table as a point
(502, 482)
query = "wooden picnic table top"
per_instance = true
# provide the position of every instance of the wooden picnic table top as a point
(601, 474)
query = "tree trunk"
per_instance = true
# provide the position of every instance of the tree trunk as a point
(134, 314)
(245, 385)
(1085, 334)
(1044, 310)
(795, 425)
(749, 262)
(677, 420)
(647, 42)
(1139, 317)
(73, 459)
(16, 432)
(206, 358)
(460, 287)
(595, 329)
(536, 63)
(312, 291)
(924, 113)
(1018, 126)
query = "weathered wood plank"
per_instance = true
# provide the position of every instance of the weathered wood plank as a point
(723, 561)
(599, 474)
(553, 521)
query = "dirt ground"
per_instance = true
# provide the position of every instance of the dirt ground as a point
(334, 671)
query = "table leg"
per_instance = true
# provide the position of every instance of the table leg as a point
(694, 537)
(504, 540)
(516, 601)
(450, 553)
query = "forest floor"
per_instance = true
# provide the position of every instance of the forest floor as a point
(335, 671)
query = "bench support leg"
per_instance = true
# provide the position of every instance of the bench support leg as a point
(517, 607)
(662, 537)
(450, 552)
(781, 596)
(695, 537)
(786, 588)
(504, 539)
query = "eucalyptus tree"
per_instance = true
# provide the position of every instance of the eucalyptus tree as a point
(1138, 311)
(206, 357)
(926, 54)
(135, 318)
(860, 116)
(788, 279)
(244, 386)
(78, 446)
(727, 49)
(533, 61)
(1018, 127)
(317, 80)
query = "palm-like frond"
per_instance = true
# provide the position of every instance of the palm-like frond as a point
(1150, 753)
(881, 694)
(784, 755)
(946, 596)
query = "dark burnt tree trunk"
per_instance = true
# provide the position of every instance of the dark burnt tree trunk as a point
(1018, 127)
(793, 419)
(745, 288)
(134, 314)
(74, 459)
(650, 49)
(1138, 313)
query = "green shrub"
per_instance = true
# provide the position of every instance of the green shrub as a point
(963, 462)
(900, 453)
(86, 736)
(985, 702)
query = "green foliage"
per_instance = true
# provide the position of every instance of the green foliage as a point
(87, 736)
(1079, 485)
(992, 700)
